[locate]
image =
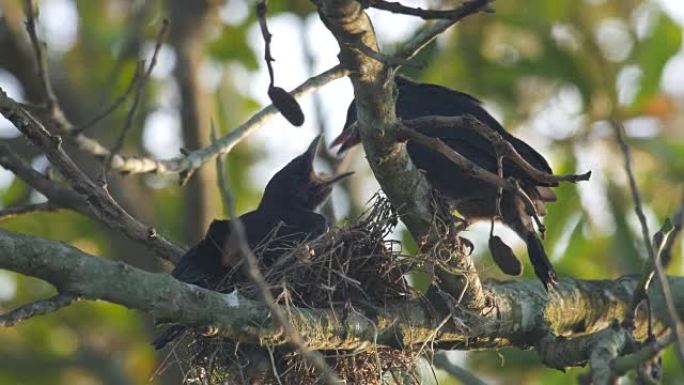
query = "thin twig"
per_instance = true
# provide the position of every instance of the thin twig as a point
(31, 10)
(195, 159)
(138, 94)
(403, 56)
(465, 164)
(458, 13)
(392, 61)
(422, 39)
(264, 292)
(261, 9)
(467, 378)
(623, 364)
(122, 98)
(33, 309)
(501, 145)
(677, 223)
(227, 197)
(12, 212)
(316, 358)
(658, 269)
(102, 205)
(57, 194)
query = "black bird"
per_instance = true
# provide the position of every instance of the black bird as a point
(284, 218)
(474, 199)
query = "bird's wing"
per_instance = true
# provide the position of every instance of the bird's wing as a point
(418, 100)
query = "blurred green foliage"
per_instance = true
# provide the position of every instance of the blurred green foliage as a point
(517, 60)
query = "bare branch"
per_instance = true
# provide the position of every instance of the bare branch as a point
(458, 13)
(677, 223)
(122, 98)
(140, 89)
(12, 212)
(37, 308)
(608, 347)
(227, 197)
(624, 364)
(103, 206)
(657, 268)
(195, 159)
(57, 194)
(466, 378)
(422, 39)
(31, 10)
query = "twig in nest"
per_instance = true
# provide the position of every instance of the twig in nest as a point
(281, 99)
(36, 308)
(138, 95)
(458, 13)
(656, 268)
(12, 212)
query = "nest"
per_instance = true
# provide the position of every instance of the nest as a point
(352, 265)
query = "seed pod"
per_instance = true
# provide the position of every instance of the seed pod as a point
(287, 105)
(504, 257)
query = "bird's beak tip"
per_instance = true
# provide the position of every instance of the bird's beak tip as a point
(311, 150)
(338, 177)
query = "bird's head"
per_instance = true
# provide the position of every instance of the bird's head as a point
(350, 132)
(298, 186)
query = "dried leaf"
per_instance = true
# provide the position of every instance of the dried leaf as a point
(287, 105)
(504, 257)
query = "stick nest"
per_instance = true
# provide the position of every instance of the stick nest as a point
(353, 266)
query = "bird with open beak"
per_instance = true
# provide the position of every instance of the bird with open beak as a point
(473, 198)
(284, 218)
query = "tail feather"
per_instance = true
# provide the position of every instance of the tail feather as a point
(541, 263)
(167, 336)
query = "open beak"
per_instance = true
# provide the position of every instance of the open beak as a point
(346, 140)
(311, 150)
(335, 179)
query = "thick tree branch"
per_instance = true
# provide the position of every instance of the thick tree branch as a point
(524, 315)
(404, 185)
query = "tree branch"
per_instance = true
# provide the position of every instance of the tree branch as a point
(524, 314)
(37, 308)
(12, 212)
(458, 13)
(656, 266)
(195, 159)
(102, 205)
(404, 185)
